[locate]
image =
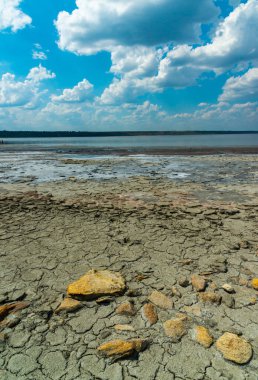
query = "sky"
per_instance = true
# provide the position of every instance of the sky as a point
(98, 65)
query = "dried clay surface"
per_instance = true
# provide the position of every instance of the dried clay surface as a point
(189, 245)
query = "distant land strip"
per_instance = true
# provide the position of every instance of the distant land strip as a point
(47, 134)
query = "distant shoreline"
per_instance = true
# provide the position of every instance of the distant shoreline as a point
(159, 151)
(45, 134)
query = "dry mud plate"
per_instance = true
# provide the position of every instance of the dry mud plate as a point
(189, 266)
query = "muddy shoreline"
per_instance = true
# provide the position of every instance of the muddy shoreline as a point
(9, 147)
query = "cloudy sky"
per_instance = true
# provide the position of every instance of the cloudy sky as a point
(128, 64)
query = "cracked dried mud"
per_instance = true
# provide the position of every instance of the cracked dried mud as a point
(157, 233)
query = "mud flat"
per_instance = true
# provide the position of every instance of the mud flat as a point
(183, 254)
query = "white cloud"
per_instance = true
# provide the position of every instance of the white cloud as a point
(15, 93)
(235, 42)
(97, 25)
(143, 116)
(142, 69)
(79, 93)
(39, 55)
(241, 88)
(11, 16)
(39, 73)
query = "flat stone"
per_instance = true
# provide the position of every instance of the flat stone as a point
(149, 314)
(202, 336)
(119, 349)
(68, 305)
(161, 300)
(195, 310)
(198, 282)
(13, 307)
(104, 300)
(210, 297)
(120, 328)
(175, 328)
(10, 321)
(234, 348)
(228, 288)
(126, 308)
(255, 283)
(96, 284)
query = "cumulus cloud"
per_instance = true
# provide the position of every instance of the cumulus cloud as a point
(39, 73)
(235, 42)
(79, 93)
(16, 93)
(146, 69)
(241, 88)
(11, 16)
(97, 25)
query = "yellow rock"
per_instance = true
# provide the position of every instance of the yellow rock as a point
(126, 308)
(68, 305)
(198, 282)
(210, 297)
(255, 283)
(202, 336)
(97, 283)
(161, 300)
(149, 314)
(175, 328)
(234, 348)
(121, 348)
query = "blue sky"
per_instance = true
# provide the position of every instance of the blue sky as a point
(128, 65)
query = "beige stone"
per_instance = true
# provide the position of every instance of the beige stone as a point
(68, 305)
(195, 310)
(126, 308)
(175, 329)
(104, 300)
(97, 283)
(210, 297)
(176, 292)
(228, 288)
(161, 300)
(202, 336)
(234, 348)
(119, 349)
(149, 314)
(199, 283)
(120, 328)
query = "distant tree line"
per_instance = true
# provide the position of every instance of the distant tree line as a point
(47, 134)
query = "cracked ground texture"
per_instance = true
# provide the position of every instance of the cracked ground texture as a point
(156, 233)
